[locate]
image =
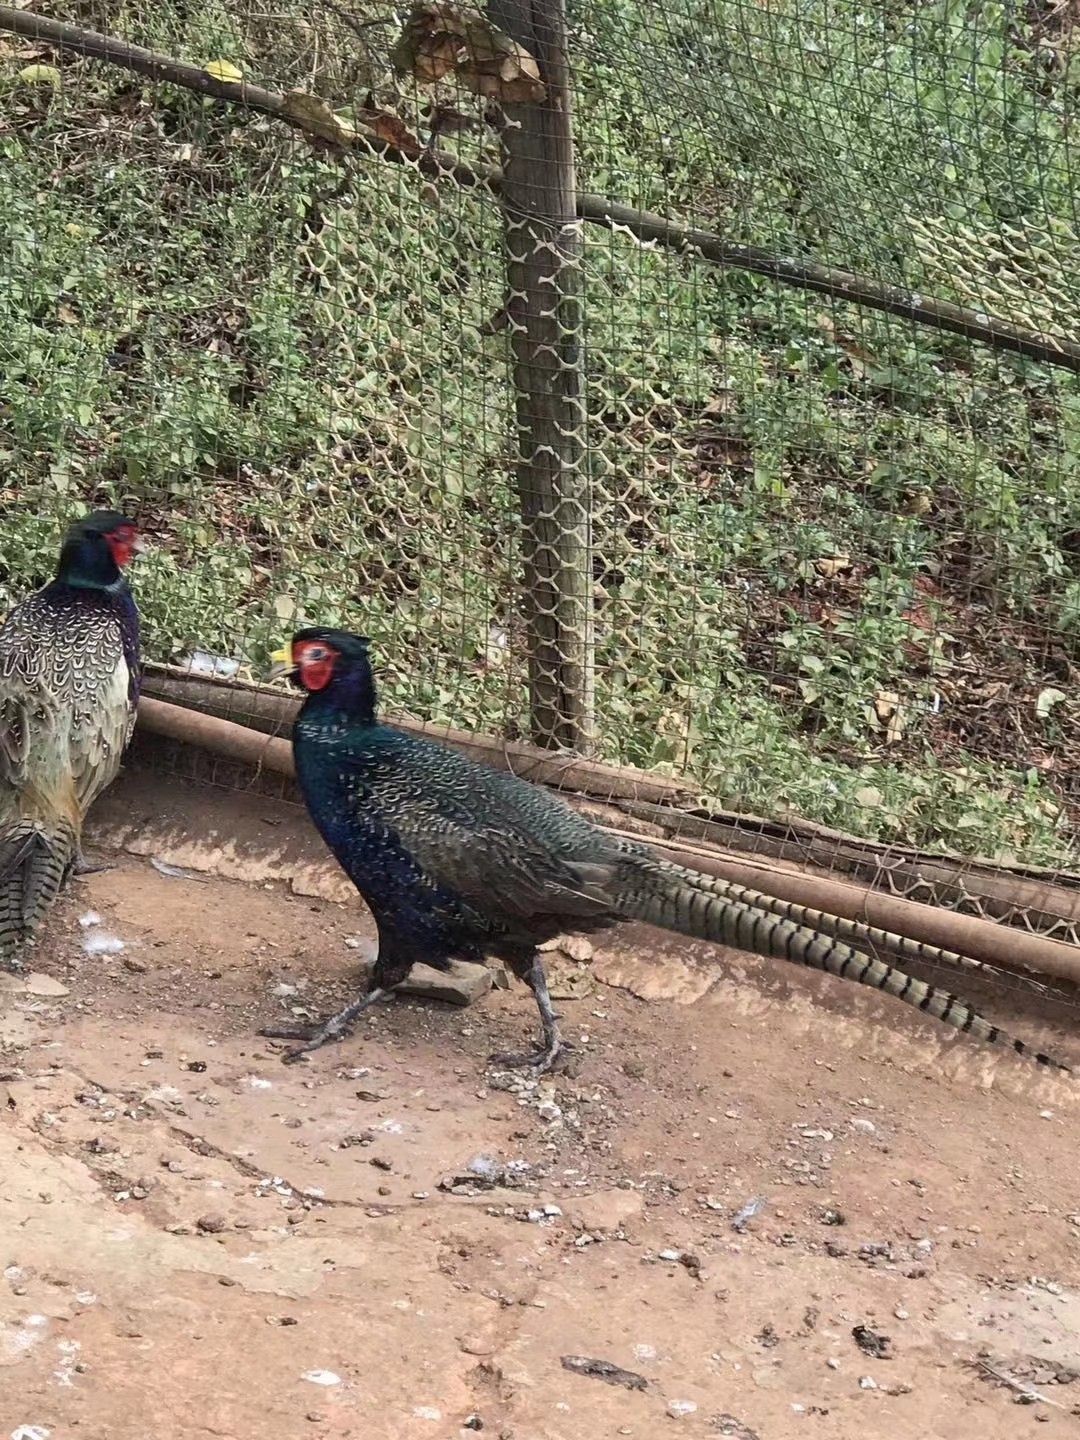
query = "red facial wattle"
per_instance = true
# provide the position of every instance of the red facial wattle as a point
(122, 543)
(316, 666)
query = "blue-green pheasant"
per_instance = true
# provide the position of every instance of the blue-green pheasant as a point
(456, 859)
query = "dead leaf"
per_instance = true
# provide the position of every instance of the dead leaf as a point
(435, 59)
(498, 68)
(894, 730)
(885, 703)
(868, 796)
(829, 566)
(441, 40)
(392, 130)
(316, 116)
(66, 315)
(722, 403)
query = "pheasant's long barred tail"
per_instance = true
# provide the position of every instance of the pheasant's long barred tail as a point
(857, 933)
(33, 863)
(677, 903)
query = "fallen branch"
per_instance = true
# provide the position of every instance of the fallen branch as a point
(596, 209)
(980, 940)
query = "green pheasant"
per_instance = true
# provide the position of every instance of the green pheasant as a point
(456, 859)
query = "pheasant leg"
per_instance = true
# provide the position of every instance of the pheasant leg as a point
(551, 1053)
(338, 1027)
(82, 866)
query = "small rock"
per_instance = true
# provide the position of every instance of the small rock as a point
(866, 1126)
(135, 965)
(365, 1137)
(867, 1382)
(678, 1408)
(462, 984)
(577, 947)
(211, 1224)
(549, 1111)
(476, 1345)
(37, 984)
(321, 1377)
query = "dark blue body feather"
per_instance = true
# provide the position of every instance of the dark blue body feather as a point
(343, 769)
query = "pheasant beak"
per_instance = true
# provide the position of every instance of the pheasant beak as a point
(281, 663)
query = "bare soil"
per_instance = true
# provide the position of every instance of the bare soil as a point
(196, 1240)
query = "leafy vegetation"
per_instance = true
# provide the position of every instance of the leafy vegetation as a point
(862, 538)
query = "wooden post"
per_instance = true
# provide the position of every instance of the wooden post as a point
(543, 247)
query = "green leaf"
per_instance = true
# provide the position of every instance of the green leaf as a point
(40, 75)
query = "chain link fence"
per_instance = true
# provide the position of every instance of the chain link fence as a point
(738, 441)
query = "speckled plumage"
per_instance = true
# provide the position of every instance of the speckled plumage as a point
(457, 859)
(69, 681)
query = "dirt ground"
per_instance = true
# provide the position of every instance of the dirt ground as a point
(385, 1241)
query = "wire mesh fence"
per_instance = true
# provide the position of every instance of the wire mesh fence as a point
(739, 442)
